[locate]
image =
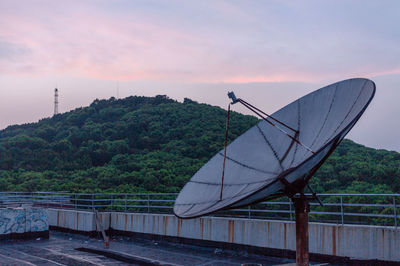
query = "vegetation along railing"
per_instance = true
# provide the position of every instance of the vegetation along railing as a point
(371, 209)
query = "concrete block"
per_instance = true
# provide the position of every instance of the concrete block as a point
(36, 220)
(23, 221)
(12, 221)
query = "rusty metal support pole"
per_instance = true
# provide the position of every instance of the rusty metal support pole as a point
(302, 208)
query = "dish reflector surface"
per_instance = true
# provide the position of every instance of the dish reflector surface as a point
(257, 160)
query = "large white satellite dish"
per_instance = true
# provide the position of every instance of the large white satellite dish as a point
(279, 155)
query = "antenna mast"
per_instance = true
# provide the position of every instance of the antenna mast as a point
(117, 89)
(56, 101)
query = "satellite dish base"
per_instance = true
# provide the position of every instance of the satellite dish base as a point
(302, 208)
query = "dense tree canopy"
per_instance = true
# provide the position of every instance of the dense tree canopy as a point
(155, 144)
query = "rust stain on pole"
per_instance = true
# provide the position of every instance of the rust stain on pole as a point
(333, 240)
(77, 221)
(165, 224)
(302, 209)
(209, 229)
(284, 236)
(323, 239)
(231, 231)
(201, 228)
(179, 227)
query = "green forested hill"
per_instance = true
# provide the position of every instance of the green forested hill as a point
(155, 144)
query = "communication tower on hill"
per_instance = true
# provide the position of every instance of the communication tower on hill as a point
(55, 101)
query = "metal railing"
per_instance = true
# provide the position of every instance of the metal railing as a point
(370, 209)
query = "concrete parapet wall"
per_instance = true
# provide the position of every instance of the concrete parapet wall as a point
(354, 241)
(23, 221)
(82, 221)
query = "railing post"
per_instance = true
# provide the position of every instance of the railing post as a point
(395, 211)
(75, 201)
(290, 210)
(249, 212)
(92, 201)
(148, 203)
(126, 196)
(112, 201)
(341, 209)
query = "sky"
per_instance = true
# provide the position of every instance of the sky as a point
(268, 52)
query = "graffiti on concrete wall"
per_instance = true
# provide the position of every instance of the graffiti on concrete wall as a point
(36, 220)
(12, 221)
(22, 221)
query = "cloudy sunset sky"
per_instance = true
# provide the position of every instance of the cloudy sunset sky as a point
(268, 52)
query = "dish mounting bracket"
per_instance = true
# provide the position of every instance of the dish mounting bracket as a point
(296, 190)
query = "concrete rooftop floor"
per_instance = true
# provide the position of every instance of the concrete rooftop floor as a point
(60, 249)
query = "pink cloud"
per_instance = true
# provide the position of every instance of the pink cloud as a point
(84, 41)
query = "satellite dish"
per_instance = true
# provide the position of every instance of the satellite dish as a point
(279, 155)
